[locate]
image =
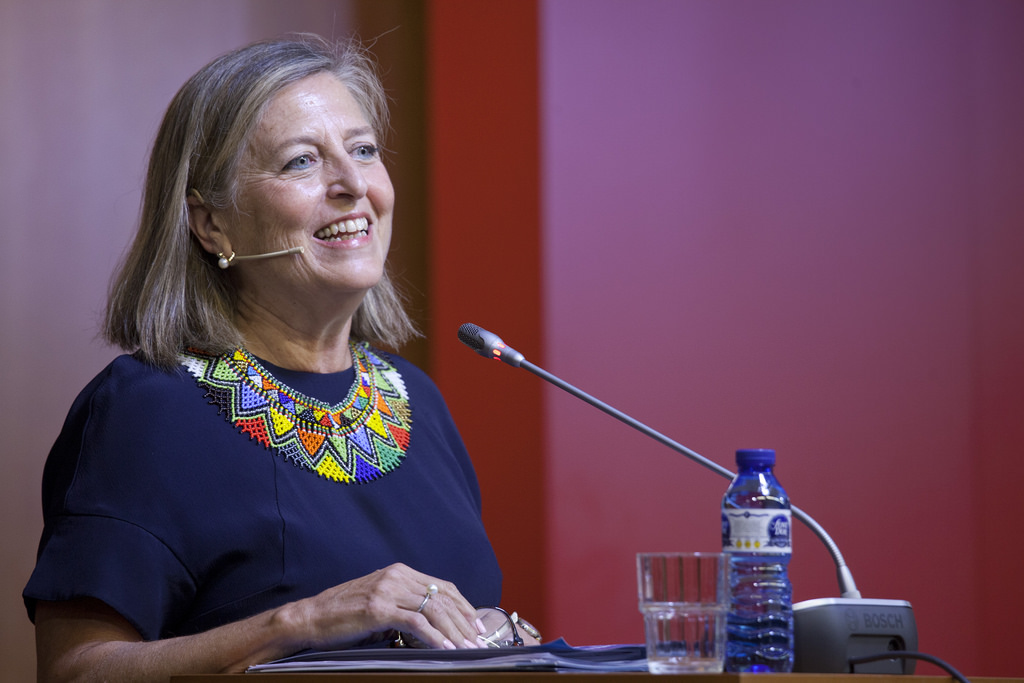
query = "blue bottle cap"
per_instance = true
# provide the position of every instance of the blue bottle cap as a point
(755, 457)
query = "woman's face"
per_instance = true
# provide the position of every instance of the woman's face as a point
(312, 177)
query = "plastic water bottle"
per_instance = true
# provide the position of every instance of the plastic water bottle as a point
(756, 534)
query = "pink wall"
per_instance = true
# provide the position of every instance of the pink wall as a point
(82, 88)
(791, 225)
(997, 360)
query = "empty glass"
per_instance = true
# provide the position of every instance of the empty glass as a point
(684, 600)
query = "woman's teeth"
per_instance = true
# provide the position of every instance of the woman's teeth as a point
(343, 230)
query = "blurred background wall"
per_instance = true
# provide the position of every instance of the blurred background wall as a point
(793, 225)
(785, 224)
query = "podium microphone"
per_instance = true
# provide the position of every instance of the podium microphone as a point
(828, 632)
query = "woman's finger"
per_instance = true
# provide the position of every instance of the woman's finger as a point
(443, 614)
(448, 612)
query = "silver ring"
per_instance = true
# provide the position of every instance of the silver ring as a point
(431, 590)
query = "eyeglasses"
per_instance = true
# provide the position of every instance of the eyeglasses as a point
(502, 628)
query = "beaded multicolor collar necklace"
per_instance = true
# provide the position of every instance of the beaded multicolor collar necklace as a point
(356, 441)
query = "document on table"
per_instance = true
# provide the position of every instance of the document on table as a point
(554, 656)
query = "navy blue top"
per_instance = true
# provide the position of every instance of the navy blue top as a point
(154, 503)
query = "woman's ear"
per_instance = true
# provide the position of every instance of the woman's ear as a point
(204, 225)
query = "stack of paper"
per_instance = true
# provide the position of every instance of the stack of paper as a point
(554, 656)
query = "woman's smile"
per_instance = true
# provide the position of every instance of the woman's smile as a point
(346, 230)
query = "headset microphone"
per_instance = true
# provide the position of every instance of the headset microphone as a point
(224, 261)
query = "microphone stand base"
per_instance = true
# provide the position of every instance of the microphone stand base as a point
(827, 632)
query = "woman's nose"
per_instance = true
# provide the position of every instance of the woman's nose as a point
(346, 179)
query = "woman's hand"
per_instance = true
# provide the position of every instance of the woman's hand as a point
(85, 639)
(395, 597)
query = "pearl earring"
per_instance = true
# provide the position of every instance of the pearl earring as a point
(224, 261)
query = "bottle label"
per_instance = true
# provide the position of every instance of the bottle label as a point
(763, 531)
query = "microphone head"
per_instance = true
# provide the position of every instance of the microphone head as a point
(469, 334)
(488, 344)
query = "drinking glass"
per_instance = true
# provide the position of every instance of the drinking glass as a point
(684, 600)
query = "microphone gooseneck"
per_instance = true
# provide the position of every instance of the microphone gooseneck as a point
(490, 345)
(223, 262)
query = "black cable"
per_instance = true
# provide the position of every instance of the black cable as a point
(903, 654)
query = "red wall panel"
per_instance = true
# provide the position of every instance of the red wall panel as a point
(485, 262)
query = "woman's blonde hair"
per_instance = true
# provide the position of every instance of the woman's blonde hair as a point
(168, 293)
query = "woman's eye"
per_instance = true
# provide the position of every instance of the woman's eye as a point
(366, 152)
(299, 163)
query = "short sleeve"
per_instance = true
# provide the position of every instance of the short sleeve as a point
(145, 585)
(104, 533)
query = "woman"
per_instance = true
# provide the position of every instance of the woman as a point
(256, 479)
